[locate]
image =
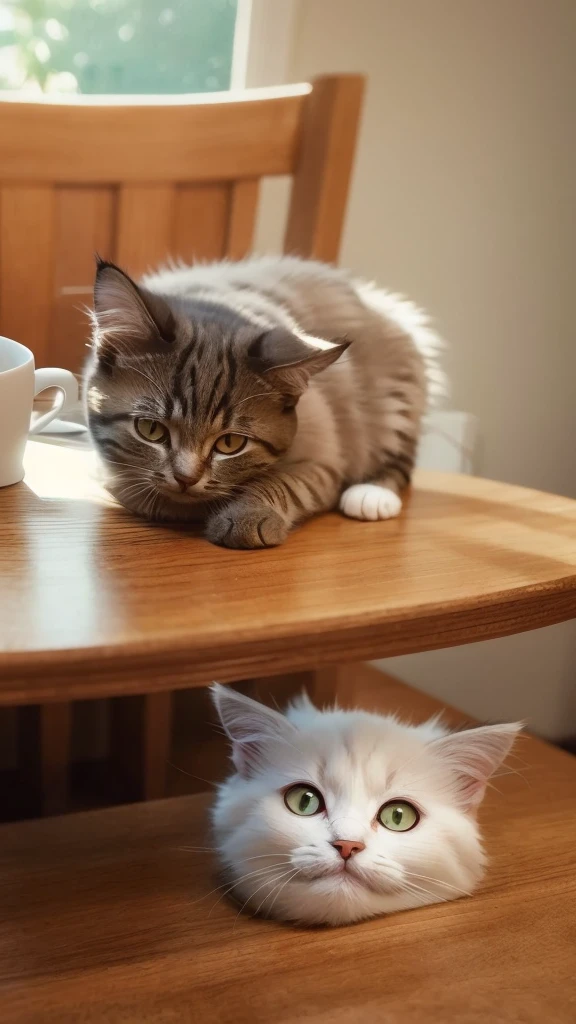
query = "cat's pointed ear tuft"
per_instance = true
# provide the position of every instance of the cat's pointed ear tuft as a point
(287, 360)
(473, 755)
(253, 729)
(127, 318)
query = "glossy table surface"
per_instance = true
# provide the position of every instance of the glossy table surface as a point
(94, 602)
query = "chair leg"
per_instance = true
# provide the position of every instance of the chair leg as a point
(44, 754)
(321, 685)
(140, 735)
(324, 685)
(55, 734)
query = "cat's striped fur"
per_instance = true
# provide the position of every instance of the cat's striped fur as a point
(327, 377)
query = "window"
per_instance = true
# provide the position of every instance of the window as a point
(116, 46)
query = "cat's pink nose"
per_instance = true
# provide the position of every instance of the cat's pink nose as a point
(185, 481)
(348, 847)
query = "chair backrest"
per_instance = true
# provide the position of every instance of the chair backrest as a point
(141, 179)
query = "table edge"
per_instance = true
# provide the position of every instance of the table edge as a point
(187, 661)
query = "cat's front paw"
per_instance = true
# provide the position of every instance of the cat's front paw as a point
(370, 502)
(239, 526)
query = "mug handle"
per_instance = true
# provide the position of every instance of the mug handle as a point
(53, 377)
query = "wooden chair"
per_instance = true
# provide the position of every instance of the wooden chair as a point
(140, 181)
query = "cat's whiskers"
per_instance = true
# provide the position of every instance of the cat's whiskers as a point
(152, 503)
(133, 480)
(154, 383)
(280, 886)
(267, 881)
(134, 490)
(417, 889)
(184, 772)
(261, 394)
(230, 887)
(131, 491)
(438, 881)
(195, 849)
(256, 876)
(259, 856)
(144, 494)
(127, 465)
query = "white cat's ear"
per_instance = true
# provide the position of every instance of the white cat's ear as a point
(473, 755)
(288, 360)
(253, 729)
(127, 318)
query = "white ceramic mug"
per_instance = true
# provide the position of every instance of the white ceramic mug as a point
(19, 384)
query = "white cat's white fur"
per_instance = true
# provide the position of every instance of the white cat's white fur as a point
(284, 865)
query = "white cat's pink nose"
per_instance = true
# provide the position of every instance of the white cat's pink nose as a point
(348, 847)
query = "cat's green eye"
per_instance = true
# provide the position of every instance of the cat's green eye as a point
(151, 430)
(304, 800)
(398, 816)
(230, 444)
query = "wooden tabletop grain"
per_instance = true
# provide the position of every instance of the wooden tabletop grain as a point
(94, 602)
(106, 918)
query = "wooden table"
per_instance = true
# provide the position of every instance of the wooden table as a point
(94, 602)
(104, 917)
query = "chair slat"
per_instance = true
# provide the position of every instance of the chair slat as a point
(26, 265)
(143, 142)
(201, 222)
(324, 167)
(144, 234)
(140, 741)
(243, 204)
(84, 226)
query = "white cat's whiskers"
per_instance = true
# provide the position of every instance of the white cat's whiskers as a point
(267, 881)
(230, 887)
(417, 889)
(282, 885)
(195, 849)
(212, 849)
(256, 876)
(259, 856)
(438, 881)
(184, 772)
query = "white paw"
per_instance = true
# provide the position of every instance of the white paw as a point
(370, 501)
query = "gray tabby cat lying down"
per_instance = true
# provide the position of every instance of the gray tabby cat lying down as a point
(256, 394)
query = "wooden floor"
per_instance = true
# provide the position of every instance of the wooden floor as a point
(104, 917)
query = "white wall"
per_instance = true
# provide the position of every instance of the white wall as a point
(464, 198)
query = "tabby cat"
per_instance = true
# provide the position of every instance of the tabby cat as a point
(257, 394)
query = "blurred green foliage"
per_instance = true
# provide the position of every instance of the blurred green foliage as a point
(117, 46)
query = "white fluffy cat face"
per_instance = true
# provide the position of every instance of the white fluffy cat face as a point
(334, 816)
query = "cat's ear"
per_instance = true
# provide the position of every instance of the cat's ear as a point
(473, 755)
(288, 360)
(127, 318)
(253, 729)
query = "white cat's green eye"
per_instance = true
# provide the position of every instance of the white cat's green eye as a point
(230, 444)
(398, 816)
(304, 800)
(151, 430)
